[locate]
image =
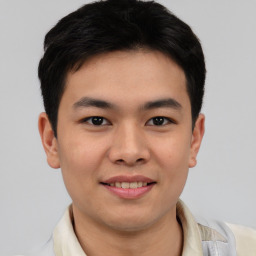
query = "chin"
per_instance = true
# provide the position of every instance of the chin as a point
(130, 222)
(129, 226)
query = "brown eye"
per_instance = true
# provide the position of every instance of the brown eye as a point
(96, 120)
(159, 121)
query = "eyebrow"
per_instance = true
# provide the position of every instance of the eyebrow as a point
(92, 102)
(162, 103)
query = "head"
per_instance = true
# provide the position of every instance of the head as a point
(122, 82)
(114, 25)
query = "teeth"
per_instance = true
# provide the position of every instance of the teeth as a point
(126, 185)
(133, 185)
(140, 184)
(118, 184)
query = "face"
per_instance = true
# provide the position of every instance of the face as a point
(125, 140)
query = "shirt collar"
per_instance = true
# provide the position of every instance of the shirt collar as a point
(66, 242)
(192, 242)
(64, 237)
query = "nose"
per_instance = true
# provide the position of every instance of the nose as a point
(129, 146)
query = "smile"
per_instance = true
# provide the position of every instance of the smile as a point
(129, 187)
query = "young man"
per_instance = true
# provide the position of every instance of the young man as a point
(123, 83)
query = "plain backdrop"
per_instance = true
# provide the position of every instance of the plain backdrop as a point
(222, 186)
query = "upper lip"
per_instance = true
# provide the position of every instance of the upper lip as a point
(124, 178)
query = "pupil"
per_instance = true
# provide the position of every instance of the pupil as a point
(97, 120)
(158, 120)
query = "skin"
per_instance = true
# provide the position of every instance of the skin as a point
(127, 143)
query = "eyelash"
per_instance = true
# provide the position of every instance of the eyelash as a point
(106, 122)
(87, 120)
(166, 121)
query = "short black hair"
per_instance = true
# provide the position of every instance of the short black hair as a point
(113, 25)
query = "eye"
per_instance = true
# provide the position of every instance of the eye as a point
(96, 120)
(159, 121)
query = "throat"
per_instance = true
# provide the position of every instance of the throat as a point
(165, 239)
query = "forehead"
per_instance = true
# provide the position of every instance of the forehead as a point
(134, 75)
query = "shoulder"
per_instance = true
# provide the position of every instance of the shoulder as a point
(230, 239)
(217, 238)
(245, 239)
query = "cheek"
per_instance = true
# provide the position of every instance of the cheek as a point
(172, 156)
(80, 152)
(80, 160)
(173, 153)
(80, 163)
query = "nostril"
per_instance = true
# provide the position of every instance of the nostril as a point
(138, 161)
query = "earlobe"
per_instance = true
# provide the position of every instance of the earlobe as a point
(49, 140)
(197, 136)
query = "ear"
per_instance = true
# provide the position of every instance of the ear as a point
(49, 140)
(197, 136)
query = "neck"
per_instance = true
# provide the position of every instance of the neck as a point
(161, 238)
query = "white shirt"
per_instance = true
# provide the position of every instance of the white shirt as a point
(197, 237)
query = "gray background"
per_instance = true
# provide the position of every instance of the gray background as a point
(222, 186)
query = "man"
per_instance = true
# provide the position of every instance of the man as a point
(123, 84)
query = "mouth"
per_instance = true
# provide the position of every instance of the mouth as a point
(129, 187)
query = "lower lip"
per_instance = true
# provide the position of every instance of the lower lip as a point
(130, 193)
